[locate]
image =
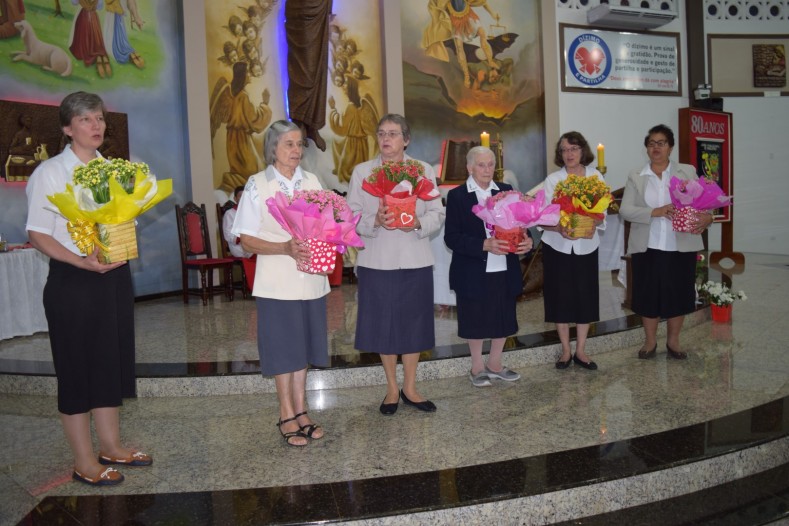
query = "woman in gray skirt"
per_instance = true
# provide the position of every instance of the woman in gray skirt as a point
(395, 273)
(291, 304)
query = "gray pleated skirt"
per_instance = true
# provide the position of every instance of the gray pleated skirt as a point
(292, 335)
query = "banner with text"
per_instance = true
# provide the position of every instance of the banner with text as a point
(625, 62)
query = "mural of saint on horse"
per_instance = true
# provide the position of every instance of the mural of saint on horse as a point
(471, 66)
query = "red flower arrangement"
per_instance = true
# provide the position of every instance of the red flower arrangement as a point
(400, 184)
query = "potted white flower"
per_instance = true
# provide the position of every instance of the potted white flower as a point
(721, 298)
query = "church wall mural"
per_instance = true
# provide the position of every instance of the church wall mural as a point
(128, 52)
(247, 81)
(471, 66)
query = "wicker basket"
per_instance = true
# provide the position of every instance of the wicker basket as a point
(581, 225)
(121, 240)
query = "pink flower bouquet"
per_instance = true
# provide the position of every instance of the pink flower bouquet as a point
(692, 197)
(508, 213)
(323, 219)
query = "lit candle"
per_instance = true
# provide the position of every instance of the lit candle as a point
(484, 139)
(600, 155)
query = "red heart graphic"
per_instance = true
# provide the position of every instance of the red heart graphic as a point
(406, 218)
(590, 61)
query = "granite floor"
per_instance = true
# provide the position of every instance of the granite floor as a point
(219, 459)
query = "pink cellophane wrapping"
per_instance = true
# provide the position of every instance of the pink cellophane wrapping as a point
(304, 220)
(701, 194)
(323, 257)
(511, 211)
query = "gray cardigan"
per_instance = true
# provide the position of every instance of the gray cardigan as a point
(635, 209)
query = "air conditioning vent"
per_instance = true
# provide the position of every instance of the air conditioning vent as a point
(605, 15)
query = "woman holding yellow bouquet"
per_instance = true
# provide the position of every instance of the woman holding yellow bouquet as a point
(89, 307)
(571, 288)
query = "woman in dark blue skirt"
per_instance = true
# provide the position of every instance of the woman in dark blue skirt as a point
(485, 277)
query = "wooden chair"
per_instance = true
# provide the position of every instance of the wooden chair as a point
(195, 243)
(242, 285)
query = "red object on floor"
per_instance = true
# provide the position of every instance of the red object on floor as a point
(721, 314)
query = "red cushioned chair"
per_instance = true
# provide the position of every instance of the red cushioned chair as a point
(196, 254)
(245, 285)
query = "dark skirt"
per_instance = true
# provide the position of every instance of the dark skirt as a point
(664, 283)
(571, 286)
(292, 334)
(91, 333)
(493, 315)
(395, 311)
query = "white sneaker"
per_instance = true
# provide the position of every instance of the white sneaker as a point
(505, 374)
(479, 380)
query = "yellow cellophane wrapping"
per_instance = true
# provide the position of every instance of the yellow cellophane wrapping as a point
(120, 240)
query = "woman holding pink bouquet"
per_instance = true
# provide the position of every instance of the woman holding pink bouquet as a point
(664, 261)
(291, 304)
(571, 282)
(484, 274)
(395, 268)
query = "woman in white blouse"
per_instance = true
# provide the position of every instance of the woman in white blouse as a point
(571, 287)
(291, 304)
(663, 261)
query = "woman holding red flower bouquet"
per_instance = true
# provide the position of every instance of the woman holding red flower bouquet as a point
(571, 283)
(395, 267)
(291, 304)
(663, 261)
(484, 274)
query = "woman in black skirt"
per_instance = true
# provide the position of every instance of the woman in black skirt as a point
(395, 272)
(663, 261)
(571, 284)
(89, 308)
(485, 277)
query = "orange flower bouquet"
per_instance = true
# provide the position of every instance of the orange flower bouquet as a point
(400, 184)
(583, 200)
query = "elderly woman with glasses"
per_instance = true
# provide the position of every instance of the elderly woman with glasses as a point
(395, 273)
(663, 261)
(571, 288)
(291, 304)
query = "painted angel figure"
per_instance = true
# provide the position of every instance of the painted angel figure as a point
(231, 106)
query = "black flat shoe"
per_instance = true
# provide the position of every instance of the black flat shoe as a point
(426, 406)
(677, 355)
(388, 409)
(646, 355)
(564, 365)
(586, 365)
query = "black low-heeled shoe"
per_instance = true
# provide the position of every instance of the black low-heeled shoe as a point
(388, 409)
(426, 405)
(677, 355)
(646, 355)
(590, 365)
(564, 365)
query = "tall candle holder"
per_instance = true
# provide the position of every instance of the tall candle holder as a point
(498, 174)
(602, 169)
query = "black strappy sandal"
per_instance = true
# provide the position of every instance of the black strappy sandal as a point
(308, 429)
(293, 434)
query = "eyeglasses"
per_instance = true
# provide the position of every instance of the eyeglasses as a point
(571, 149)
(657, 144)
(391, 134)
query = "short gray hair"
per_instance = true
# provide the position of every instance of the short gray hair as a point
(79, 103)
(476, 151)
(272, 137)
(400, 121)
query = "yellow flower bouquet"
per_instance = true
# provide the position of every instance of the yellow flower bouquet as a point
(582, 200)
(101, 205)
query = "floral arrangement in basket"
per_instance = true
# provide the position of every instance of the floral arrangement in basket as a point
(583, 200)
(400, 184)
(321, 218)
(506, 214)
(691, 197)
(720, 294)
(101, 205)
